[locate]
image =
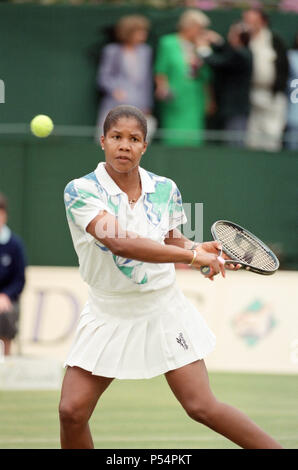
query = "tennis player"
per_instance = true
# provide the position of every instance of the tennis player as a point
(137, 323)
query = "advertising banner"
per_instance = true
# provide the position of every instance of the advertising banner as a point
(253, 317)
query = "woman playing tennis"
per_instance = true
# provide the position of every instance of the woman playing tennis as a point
(137, 323)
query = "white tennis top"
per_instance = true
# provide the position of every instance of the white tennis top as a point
(158, 210)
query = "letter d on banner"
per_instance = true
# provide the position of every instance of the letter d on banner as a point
(55, 317)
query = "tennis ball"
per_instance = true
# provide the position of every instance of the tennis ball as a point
(41, 125)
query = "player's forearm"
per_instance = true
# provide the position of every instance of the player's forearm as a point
(176, 238)
(106, 229)
(150, 251)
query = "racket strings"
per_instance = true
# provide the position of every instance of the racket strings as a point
(244, 248)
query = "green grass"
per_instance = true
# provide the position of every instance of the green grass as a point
(144, 414)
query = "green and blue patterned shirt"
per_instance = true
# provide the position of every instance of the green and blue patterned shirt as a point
(158, 210)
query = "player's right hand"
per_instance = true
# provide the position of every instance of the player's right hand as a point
(205, 258)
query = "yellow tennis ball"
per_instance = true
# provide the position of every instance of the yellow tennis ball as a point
(41, 125)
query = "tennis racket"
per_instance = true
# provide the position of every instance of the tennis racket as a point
(243, 248)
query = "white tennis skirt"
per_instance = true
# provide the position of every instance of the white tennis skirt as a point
(139, 335)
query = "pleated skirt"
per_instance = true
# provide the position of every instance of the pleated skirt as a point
(139, 335)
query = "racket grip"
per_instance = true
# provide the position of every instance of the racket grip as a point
(205, 270)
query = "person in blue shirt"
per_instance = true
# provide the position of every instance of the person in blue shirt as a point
(12, 279)
(292, 118)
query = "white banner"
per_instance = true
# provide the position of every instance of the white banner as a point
(254, 317)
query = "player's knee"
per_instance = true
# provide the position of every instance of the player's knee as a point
(202, 411)
(71, 414)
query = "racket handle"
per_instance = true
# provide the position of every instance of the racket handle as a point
(205, 270)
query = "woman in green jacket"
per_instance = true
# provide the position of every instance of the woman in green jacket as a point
(182, 82)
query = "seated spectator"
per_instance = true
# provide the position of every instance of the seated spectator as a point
(232, 65)
(12, 279)
(292, 118)
(125, 71)
(182, 82)
(269, 83)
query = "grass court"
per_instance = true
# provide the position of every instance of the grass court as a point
(144, 414)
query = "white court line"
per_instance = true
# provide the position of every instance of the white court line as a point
(41, 440)
(115, 438)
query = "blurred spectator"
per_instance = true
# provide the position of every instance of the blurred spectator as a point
(125, 71)
(289, 5)
(292, 120)
(181, 82)
(269, 81)
(203, 4)
(12, 279)
(232, 64)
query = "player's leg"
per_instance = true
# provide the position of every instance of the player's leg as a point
(80, 393)
(190, 385)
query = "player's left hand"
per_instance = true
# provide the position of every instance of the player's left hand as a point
(232, 267)
(210, 247)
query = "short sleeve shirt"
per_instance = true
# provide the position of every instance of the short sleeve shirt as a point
(157, 211)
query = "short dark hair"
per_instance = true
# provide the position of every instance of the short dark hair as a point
(261, 13)
(128, 111)
(3, 202)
